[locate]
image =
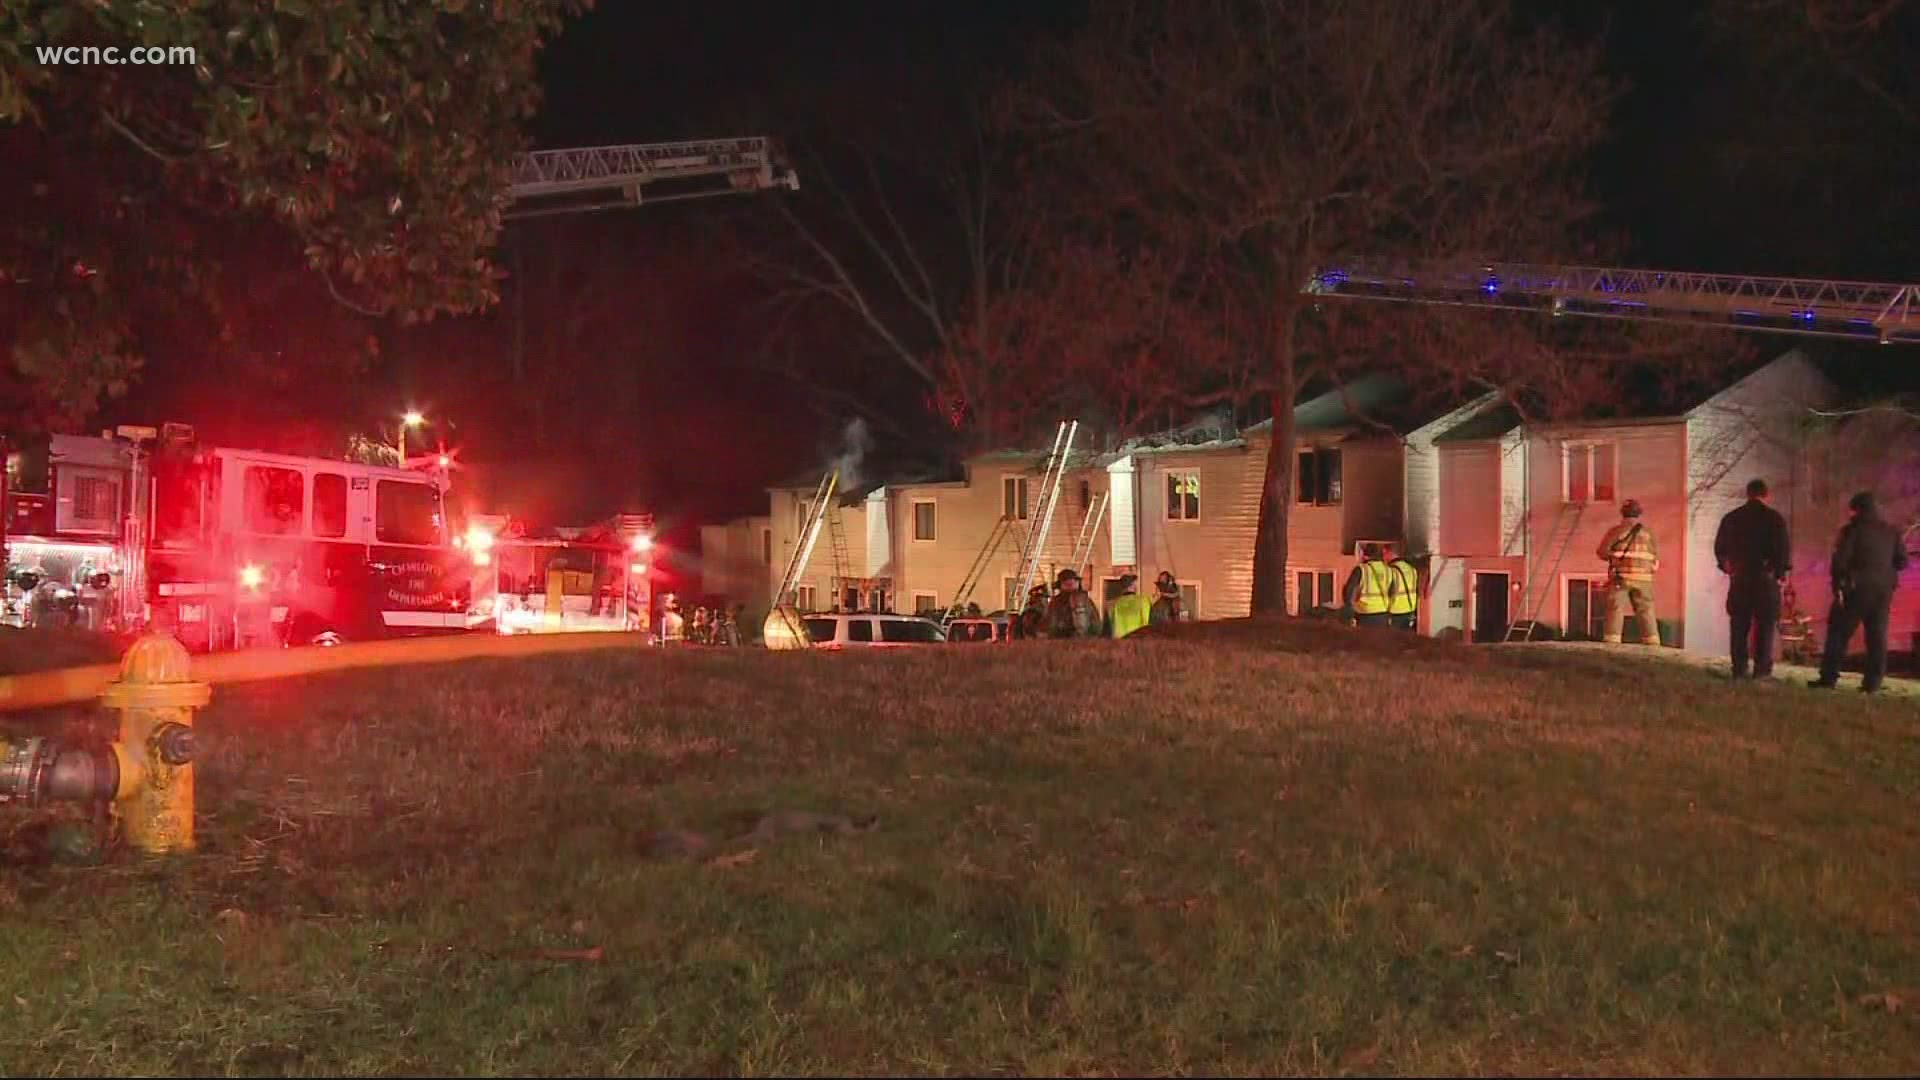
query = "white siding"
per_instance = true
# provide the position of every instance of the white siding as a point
(1216, 552)
(1513, 493)
(1752, 429)
(878, 560)
(1422, 499)
(1471, 489)
(1124, 550)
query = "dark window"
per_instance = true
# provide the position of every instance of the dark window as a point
(406, 513)
(1317, 481)
(910, 631)
(1586, 610)
(819, 631)
(766, 546)
(1315, 587)
(1303, 592)
(1326, 587)
(274, 500)
(859, 629)
(1013, 497)
(94, 499)
(329, 504)
(923, 521)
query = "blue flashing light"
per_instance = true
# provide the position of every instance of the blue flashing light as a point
(1490, 286)
(1861, 322)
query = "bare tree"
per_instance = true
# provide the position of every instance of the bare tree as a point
(1273, 135)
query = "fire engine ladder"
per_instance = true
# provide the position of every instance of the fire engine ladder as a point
(1853, 310)
(1089, 531)
(809, 533)
(842, 562)
(1050, 481)
(1565, 525)
(1001, 532)
(609, 177)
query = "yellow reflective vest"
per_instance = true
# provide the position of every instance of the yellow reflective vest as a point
(1128, 612)
(1403, 588)
(1375, 579)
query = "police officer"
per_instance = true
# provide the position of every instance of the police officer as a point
(1366, 590)
(1166, 606)
(1403, 590)
(1631, 557)
(1072, 613)
(1867, 560)
(1755, 552)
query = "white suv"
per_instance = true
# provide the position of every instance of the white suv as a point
(871, 631)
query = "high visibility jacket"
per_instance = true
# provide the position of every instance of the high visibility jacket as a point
(1403, 588)
(1127, 613)
(1371, 597)
(1630, 560)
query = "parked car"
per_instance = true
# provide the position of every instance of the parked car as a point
(871, 631)
(986, 630)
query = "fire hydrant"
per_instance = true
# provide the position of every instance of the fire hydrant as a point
(156, 700)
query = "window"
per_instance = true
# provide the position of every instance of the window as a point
(1183, 496)
(405, 513)
(923, 520)
(1586, 608)
(1317, 482)
(329, 504)
(907, 631)
(803, 598)
(1312, 589)
(1086, 494)
(1589, 472)
(1013, 497)
(274, 499)
(925, 603)
(766, 546)
(860, 630)
(94, 499)
(820, 631)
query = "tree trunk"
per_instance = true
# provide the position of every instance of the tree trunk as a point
(1276, 497)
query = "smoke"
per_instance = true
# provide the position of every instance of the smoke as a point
(855, 444)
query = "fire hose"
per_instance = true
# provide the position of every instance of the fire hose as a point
(37, 769)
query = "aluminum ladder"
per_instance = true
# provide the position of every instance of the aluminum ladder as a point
(1056, 473)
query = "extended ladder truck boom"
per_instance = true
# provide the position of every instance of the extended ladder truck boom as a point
(609, 177)
(1851, 310)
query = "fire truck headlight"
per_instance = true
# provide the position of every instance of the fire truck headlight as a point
(643, 543)
(251, 577)
(639, 568)
(478, 540)
(481, 558)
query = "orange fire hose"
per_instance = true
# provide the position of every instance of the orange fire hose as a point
(68, 685)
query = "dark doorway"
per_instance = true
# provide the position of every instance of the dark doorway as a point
(1490, 606)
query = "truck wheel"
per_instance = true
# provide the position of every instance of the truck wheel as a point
(311, 630)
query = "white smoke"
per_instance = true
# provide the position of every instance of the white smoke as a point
(855, 442)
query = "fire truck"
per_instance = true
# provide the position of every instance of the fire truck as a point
(531, 580)
(230, 548)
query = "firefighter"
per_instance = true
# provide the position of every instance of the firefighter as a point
(1033, 618)
(1071, 613)
(672, 627)
(1166, 606)
(1755, 552)
(1403, 590)
(1631, 557)
(697, 629)
(1867, 560)
(1129, 611)
(1367, 586)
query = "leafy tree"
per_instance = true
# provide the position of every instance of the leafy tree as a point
(372, 139)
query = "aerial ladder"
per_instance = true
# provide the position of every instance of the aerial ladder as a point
(582, 179)
(1851, 310)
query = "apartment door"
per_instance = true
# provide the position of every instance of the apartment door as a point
(1490, 592)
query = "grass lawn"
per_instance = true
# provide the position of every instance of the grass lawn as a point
(1254, 849)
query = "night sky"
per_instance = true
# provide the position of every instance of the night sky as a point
(671, 410)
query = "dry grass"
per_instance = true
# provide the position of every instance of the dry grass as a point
(1262, 849)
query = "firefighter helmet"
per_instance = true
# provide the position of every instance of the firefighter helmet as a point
(1630, 508)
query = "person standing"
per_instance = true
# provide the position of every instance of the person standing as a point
(1755, 552)
(1166, 606)
(1867, 560)
(1072, 613)
(1631, 557)
(1366, 590)
(1403, 590)
(1129, 611)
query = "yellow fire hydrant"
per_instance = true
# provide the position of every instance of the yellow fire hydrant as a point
(156, 700)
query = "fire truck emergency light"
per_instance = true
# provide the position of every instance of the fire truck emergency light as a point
(642, 543)
(251, 577)
(639, 568)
